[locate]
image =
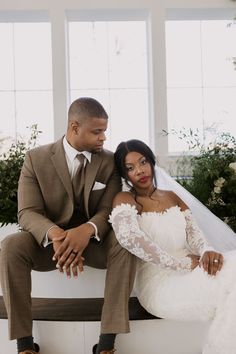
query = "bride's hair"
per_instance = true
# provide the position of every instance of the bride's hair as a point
(133, 145)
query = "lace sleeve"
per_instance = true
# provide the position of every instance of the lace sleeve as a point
(128, 233)
(194, 236)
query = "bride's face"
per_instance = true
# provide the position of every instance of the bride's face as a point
(139, 170)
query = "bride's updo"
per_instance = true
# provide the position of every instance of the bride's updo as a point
(133, 145)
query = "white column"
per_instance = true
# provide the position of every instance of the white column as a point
(59, 69)
(158, 79)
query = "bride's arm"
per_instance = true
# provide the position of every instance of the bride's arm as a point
(194, 236)
(211, 260)
(125, 224)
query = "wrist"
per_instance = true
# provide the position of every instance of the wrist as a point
(54, 232)
(91, 230)
(186, 262)
(95, 233)
(86, 230)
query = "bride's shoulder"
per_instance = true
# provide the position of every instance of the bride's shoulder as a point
(123, 198)
(173, 199)
(177, 200)
(164, 193)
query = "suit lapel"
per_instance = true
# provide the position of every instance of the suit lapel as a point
(59, 161)
(91, 171)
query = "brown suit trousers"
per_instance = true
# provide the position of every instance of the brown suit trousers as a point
(21, 253)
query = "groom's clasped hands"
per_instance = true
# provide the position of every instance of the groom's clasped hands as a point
(68, 249)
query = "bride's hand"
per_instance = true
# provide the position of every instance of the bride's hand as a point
(195, 260)
(212, 262)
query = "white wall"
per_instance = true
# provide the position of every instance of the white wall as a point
(157, 9)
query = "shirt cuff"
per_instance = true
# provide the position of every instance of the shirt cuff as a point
(95, 229)
(46, 242)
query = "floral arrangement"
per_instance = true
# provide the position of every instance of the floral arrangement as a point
(213, 179)
(10, 166)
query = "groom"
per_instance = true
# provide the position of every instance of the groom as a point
(64, 201)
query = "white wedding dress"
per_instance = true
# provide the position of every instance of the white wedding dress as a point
(165, 284)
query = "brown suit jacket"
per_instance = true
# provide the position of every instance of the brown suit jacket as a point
(45, 195)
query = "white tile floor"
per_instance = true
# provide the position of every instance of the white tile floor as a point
(149, 337)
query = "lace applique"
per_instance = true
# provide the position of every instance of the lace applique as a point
(195, 237)
(128, 233)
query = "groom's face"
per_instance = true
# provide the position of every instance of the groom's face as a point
(90, 135)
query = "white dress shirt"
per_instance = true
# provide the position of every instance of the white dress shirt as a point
(71, 157)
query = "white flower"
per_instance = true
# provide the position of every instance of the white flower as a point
(233, 166)
(217, 190)
(219, 183)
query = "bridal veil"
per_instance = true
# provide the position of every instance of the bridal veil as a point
(218, 234)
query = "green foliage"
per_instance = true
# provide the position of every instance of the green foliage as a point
(213, 179)
(10, 166)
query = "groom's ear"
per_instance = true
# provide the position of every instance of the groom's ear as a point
(75, 127)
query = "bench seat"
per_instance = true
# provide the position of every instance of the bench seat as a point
(75, 309)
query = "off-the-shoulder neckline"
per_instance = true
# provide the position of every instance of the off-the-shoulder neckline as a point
(133, 207)
(161, 212)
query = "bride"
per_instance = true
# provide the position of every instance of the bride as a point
(179, 275)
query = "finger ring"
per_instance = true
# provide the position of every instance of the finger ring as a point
(215, 261)
(73, 252)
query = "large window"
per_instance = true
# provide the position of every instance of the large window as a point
(108, 61)
(201, 78)
(26, 80)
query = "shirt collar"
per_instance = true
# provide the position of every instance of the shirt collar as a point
(71, 152)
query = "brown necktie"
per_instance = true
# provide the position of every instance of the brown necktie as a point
(78, 179)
